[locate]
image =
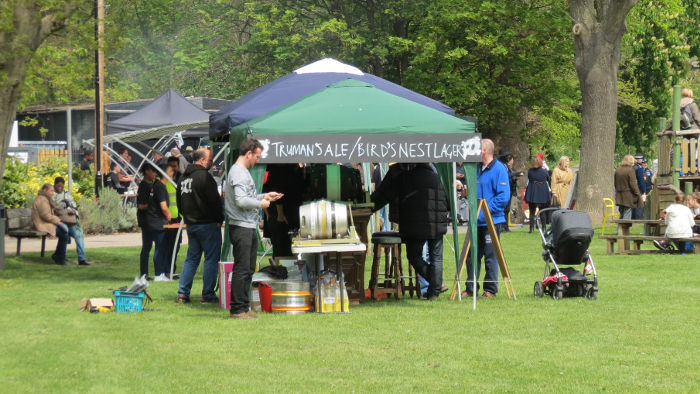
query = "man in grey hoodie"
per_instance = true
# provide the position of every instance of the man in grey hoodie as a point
(242, 204)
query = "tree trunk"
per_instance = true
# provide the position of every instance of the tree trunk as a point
(32, 22)
(510, 138)
(598, 28)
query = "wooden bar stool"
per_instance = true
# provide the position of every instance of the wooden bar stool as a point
(394, 280)
(390, 243)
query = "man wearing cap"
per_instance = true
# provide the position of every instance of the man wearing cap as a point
(152, 215)
(188, 154)
(70, 217)
(638, 212)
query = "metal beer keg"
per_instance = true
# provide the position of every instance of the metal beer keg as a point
(323, 219)
(291, 297)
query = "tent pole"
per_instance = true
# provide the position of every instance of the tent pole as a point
(69, 141)
(146, 159)
(129, 166)
(470, 176)
(222, 150)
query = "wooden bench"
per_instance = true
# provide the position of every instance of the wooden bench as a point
(638, 240)
(19, 225)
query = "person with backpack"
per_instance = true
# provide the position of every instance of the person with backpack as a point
(690, 113)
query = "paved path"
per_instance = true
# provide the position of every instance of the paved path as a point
(104, 241)
(91, 241)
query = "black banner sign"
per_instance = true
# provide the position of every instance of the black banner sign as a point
(377, 148)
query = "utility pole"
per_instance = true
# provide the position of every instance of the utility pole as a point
(99, 91)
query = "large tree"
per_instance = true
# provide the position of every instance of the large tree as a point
(598, 27)
(24, 25)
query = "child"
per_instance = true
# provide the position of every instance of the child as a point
(679, 224)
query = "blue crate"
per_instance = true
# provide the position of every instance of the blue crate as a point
(129, 302)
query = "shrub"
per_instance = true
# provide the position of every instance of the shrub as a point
(106, 215)
(21, 182)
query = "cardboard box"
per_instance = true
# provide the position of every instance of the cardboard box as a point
(94, 304)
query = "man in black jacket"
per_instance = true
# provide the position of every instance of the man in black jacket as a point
(199, 204)
(423, 216)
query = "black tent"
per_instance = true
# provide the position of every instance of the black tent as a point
(168, 109)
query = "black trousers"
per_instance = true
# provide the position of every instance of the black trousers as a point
(244, 242)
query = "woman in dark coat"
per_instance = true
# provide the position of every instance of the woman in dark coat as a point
(538, 194)
(627, 195)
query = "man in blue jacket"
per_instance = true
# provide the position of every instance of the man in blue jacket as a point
(638, 212)
(492, 185)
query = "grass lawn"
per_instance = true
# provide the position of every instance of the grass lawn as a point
(642, 334)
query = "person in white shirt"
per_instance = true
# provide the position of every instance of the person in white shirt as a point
(679, 224)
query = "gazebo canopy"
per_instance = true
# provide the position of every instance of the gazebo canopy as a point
(300, 83)
(353, 121)
(168, 109)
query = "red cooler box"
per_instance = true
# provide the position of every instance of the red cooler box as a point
(225, 269)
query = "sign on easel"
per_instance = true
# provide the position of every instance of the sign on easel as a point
(498, 249)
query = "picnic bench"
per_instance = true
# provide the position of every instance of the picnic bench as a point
(624, 239)
(19, 225)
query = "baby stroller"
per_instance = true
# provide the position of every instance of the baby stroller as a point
(566, 242)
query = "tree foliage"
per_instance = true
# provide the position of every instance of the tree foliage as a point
(662, 39)
(510, 63)
(24, 25)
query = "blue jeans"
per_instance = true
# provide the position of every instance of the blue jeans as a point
(384, 214)
(432, 271)
(485, 250)
(421, 280)
(148, 238)
(63, 238)
(76, 231)
(202, 238)
(625, 212)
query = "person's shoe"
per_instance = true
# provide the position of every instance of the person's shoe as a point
(182, 299)
(162, 278)
(83, 262)
(433, 298)
(252, 315)
(242, 315)
(149, 277)
(662, 245)
(58, 261)
(488, 294)
(466, 294)
(210, 300)
(444, 287)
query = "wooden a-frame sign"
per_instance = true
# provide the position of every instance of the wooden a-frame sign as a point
(505, 273)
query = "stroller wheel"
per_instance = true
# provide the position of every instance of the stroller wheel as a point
(539, 289)
(592, 294)
(558, 294)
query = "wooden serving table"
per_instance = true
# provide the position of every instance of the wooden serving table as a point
(323, 250)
